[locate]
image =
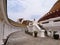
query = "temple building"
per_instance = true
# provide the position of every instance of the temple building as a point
(51, 20)
(8, 26)
(54, 12)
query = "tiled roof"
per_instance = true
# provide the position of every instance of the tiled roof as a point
(54, 12)
(56, 6)
(16, 23)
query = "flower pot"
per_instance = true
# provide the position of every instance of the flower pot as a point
(56, 36)
(35, 33)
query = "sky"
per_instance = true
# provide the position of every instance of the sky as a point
(28, 9)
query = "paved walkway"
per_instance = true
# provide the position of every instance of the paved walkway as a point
(20, 38)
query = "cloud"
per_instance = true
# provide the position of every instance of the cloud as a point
(28, 9)
(15, 6)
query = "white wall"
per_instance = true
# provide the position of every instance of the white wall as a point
(10, 29)
(6, 29)
(1, 32)
(51, 25)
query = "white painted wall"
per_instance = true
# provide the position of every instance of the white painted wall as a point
(1, 32)
(6, 30)
(51, 25)
(10, 29)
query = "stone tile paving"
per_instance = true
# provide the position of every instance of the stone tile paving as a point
(20, 38)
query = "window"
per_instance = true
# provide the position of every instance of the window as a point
(56, 20)
(45, 22)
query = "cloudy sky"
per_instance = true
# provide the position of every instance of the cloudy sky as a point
(28, 9)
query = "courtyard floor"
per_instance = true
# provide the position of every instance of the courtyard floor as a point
(20, 38)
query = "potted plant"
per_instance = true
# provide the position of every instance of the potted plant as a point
(35, 33)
